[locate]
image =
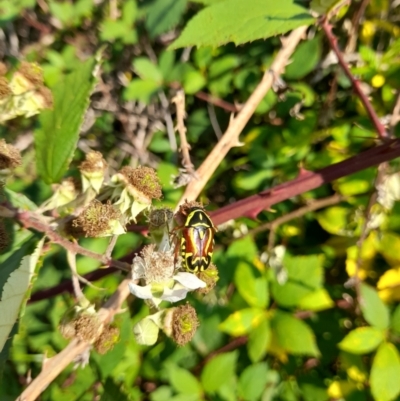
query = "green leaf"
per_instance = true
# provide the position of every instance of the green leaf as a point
(193, 81)
(244, 248)
(385, 373)
(14, 292)
(305, 276)
(56, 139)
(253, 290)
(242, 321)
(112, 392)
(183, 381)
(164, 15)
(252, 381)
(316, 301)
(218, 371)
(362, 340)
(20, 200)
(241, 21)
(304, 59)
(147, 70)
(395, 320)
(142, 90)
(293, 335)
(375, 312)
(259, 339)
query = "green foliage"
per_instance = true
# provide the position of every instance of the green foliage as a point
(306, 305)
(241, 22)
(218, 372)
(293, 335)
(57, 136)
(385, 372)
(362, 340)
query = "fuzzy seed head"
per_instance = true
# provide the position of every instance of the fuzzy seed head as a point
(210, 277)
(143, 181)
(4, 88)
(96, 220)
(184, 324)
(160, 218)
(9, 156)
(106, 341)
(94, 163)
(156, 267)
(67, 329)
(87, 327)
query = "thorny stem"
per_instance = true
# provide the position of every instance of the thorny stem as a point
(179, 100)
(30, 220)
(55, 365)
(230, 138)
(327, 27)
(306, 181)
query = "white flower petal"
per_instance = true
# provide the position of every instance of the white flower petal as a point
(175, 294)
(189, 280)
(146, 331)
(141, 292)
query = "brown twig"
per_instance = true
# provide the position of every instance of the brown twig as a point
(179, 100)
(327, 28)
(217, 102)
(315, 205)
(230, 138)
(55, 365)
(30, 220)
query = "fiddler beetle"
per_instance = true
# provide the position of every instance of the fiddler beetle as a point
(197, 240)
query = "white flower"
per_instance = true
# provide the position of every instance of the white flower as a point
(157, 270)
(173, 290)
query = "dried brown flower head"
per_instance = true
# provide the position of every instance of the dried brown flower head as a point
(96, 220)
(9, 156)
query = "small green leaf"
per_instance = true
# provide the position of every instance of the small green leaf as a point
(362, 340)
(385, 373)
(164, 15)
(316, 301)
(56, 139)
(15, 292)
(113, 392)
(253, 290)
(252, 381)
(193, 81)
(241, 21)
(183, 381)
(395, 320)
(259, 339)
(305, 276)
(305, 59)
(242, 321)
(218, 371)
(375, 312)
(293, 335)
(244, 248)
(142, 90)
(147, 70)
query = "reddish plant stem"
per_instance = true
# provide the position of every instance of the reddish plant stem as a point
(217, 102)
(307, 181)
(333, 42)
(29, 220)
(66, 285)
